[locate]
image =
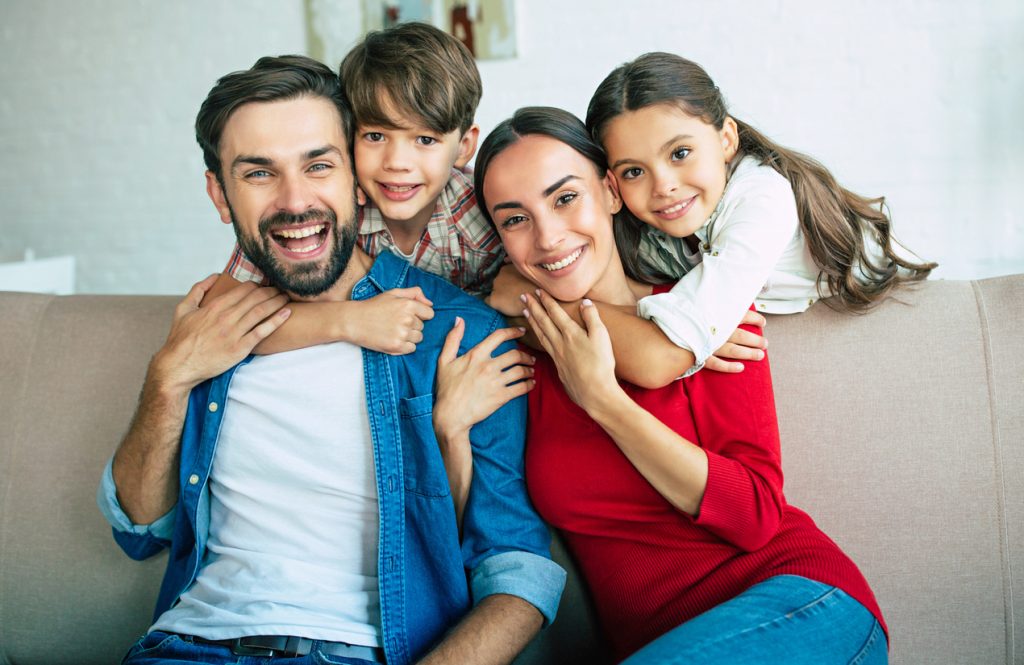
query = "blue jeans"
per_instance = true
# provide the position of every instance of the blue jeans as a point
(158, 648)
(786, 619)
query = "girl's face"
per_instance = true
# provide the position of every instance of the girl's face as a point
(554, 214)
(670, 166)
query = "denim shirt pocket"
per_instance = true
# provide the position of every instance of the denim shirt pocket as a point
(421, 457)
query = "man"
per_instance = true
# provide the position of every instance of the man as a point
(302, 494)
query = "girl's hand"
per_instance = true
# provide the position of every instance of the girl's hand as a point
(583, 356)
(507, 290)
(742, 345)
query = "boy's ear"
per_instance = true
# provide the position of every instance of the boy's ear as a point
(216, 194)
(730, 134)
(467, 146)
(613, 191)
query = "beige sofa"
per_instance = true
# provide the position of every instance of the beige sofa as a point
(903, 435)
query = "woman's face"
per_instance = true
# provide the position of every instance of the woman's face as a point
(554, 214)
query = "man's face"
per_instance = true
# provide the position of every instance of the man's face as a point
(288, 190)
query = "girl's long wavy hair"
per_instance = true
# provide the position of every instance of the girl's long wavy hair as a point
(837, 223)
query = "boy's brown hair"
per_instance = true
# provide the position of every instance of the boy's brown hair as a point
(414, 69)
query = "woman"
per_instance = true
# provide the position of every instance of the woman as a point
(670, 499)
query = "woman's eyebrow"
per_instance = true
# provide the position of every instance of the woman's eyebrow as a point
(561, 181)
(548, 191)
(665, 146)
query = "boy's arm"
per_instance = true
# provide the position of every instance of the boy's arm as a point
(391, 322)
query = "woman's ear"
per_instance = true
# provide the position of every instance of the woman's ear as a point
(730, 135)
(612, 186)
(216, 193)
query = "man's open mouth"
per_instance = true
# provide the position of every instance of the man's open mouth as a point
(301, 240)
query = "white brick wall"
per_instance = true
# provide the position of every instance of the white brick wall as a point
(919, 101)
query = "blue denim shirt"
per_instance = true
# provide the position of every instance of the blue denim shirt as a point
(427, 579)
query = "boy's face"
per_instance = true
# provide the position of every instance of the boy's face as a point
(403, 170)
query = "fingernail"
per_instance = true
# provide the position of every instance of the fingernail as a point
(521, 329)
(522, 296)
(760, 355)
(458, 320)
(586, 302)
(526, 313)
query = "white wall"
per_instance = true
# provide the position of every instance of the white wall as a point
(919, 101)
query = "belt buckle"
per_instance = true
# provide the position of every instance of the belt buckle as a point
(238, 648)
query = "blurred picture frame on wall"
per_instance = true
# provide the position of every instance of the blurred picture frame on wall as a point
(486, 27)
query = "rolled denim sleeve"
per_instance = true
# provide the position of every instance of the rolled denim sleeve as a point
(536, 579)
(138, 540)
(505, 544)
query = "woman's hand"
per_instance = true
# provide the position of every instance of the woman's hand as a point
(468, 389)
(508, 288)
(583, 355)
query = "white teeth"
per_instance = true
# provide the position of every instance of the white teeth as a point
(300, 233)
(399, 189)
(569, 260)
(674, 209)
(303, 250)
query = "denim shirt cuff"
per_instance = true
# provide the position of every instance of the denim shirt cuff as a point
(536, 579)
(106, 498)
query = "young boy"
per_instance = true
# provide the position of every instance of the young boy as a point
(414, 90)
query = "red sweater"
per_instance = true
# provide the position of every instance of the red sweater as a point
(649, 566)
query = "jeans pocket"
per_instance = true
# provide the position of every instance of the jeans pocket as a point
(149, 644)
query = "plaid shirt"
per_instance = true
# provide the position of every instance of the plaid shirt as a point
(459, 244)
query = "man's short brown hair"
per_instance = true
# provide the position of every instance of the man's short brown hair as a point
(414, 69)
(270, 79)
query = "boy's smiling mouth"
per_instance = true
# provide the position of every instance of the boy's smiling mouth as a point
(399, 191)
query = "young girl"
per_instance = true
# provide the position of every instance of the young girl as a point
(737, 217)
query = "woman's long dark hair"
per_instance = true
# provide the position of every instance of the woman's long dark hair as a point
(837, 223)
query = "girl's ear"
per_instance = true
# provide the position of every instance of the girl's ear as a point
(730, 135)
(216, 194)
(612, 187)
(360, 195)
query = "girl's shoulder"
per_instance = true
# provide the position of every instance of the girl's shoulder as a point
(751, 176)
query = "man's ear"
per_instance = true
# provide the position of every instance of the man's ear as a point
(612, 186)
(467, 146)
(216, 194)
(730, 135)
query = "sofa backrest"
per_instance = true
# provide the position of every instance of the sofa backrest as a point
(903, 436)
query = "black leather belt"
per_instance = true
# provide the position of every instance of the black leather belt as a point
(286, 646)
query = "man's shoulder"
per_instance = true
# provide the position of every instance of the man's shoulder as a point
(394, 272)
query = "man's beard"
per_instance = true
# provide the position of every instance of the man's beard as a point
(304, 279)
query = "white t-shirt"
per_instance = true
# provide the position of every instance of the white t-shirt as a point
(293, 507)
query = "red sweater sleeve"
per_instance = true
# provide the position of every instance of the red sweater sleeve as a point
(738, 429)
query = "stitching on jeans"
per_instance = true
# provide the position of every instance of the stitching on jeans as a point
(784, 617)
(876, 631)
